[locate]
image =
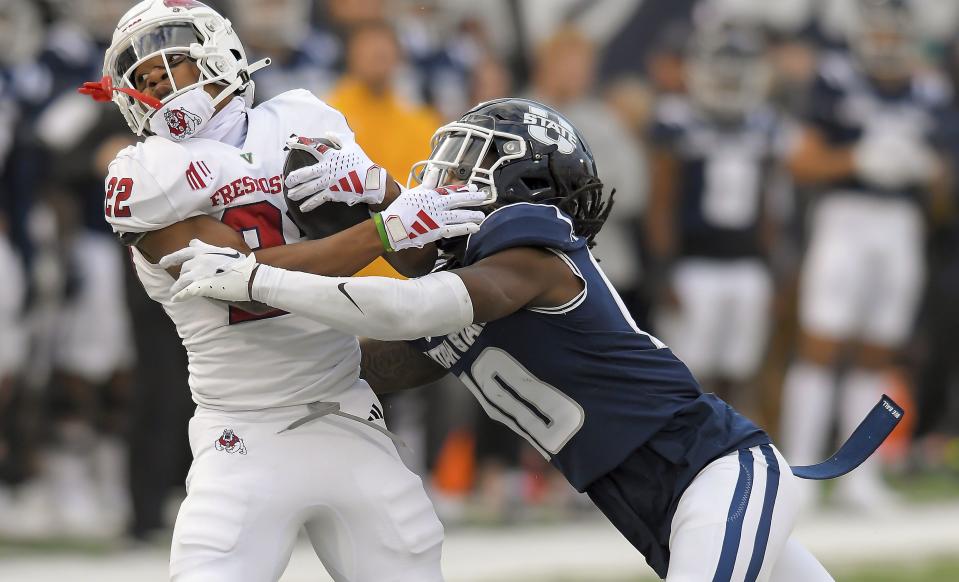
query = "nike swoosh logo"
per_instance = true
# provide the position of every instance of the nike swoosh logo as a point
(342, 288)
(235, 255)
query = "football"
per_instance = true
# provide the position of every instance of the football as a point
(328, 218)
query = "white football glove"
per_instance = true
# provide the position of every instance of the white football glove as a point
(891, 161)
(210, 271)
(422, 215)
(343, 173)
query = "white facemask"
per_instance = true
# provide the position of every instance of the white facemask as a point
(184, 116)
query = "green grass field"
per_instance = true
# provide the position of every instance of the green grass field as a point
(943, 570)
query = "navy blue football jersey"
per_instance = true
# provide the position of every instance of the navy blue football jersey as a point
(581, 382)
(844, 104)
(725, 171)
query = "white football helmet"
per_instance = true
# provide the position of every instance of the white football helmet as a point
(176, 27)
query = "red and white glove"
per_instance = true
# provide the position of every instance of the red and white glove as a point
(343, 173)
(422, 215)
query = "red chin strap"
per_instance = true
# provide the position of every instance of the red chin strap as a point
(103, 89)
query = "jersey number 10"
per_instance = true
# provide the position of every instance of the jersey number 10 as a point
(533, 409)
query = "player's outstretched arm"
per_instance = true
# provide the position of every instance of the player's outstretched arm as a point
(414, 219)
(341, 254)
(383, 308)
(392, 366)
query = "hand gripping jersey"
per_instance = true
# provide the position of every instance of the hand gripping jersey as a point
(725, 172)
(582, 383)
(237, 361)
(844, 104)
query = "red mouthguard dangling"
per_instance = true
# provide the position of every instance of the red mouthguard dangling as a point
(103, 89)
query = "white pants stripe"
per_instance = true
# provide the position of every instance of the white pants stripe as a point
(734, 520)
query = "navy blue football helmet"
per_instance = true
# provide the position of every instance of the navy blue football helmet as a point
(518, 150)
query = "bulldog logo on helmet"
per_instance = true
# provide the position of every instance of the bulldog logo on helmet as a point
(181, 122)
(230, 442)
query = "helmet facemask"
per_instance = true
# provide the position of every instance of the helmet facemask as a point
(518, 151)
(467, 153)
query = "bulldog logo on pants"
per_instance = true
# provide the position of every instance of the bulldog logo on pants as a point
(230, 442)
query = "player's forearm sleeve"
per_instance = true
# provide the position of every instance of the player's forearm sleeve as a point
(375, 307)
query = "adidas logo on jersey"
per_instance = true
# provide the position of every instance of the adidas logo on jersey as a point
(375, 413)
(197, 175)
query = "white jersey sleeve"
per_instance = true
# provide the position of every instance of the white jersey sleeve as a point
(155, 184)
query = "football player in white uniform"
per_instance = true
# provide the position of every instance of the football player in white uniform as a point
(265, 463)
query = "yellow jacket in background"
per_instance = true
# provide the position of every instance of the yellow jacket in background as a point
(393, 133)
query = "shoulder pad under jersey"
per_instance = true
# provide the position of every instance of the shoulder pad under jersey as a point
(306, 114)
(522, 224)
(154, 184)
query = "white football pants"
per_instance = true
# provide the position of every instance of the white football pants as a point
(721, 327)
(734, 521)
(251, 489)
(862, 275)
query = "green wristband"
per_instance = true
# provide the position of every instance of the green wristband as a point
(381, 229)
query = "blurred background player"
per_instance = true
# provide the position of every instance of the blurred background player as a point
(868, 147)
(715, 162)
(564, 76)
(303, 57)
(12, 354)
(386, 121)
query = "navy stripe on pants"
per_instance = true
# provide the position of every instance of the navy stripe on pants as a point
(766, 518)
(737, 513)
(735, 517)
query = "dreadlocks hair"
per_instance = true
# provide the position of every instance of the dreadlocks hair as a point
(589, 211)
(586, 205)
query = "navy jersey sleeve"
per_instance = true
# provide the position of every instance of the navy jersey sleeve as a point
(522, 225)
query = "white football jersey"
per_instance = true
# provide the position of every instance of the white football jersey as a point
(237, 361)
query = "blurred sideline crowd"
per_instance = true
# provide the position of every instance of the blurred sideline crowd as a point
(785, 220)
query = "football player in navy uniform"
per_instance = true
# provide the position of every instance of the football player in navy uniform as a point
(715, 162)
(869, 147)
(523, 315)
